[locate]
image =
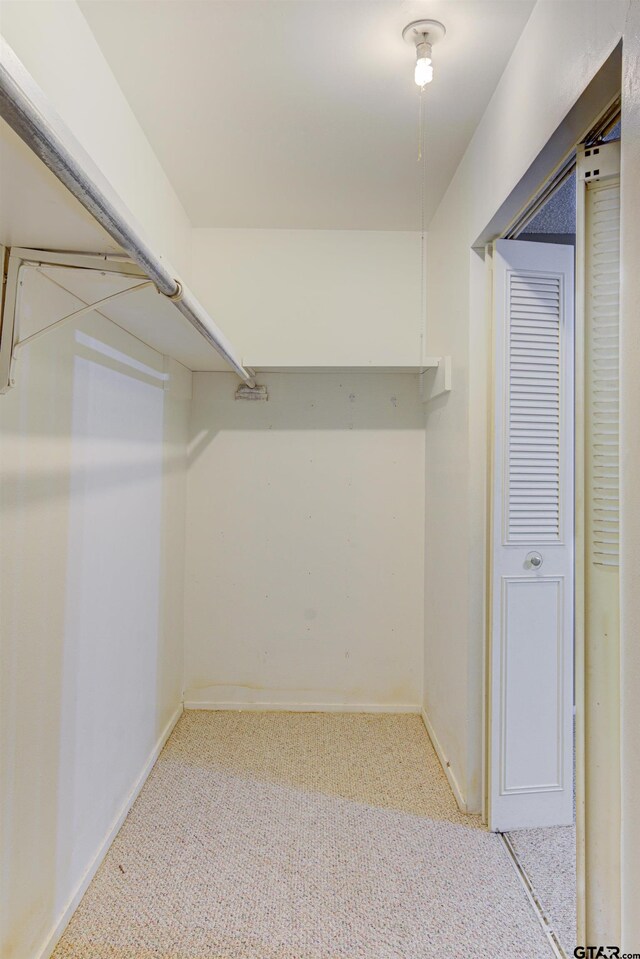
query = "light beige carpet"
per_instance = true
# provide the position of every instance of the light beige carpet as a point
(548, 856)
(302, 836)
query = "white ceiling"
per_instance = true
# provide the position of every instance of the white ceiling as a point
(322, 134)
(303, 113)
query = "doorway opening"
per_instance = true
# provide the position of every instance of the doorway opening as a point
(547, 492)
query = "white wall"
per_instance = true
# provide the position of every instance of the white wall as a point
(92, 452)
(314, 297)
(562, 47)
(56, 45)
(304, 572)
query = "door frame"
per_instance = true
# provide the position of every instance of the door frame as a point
(593, 111)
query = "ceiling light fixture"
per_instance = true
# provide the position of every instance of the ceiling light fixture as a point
(422, 34)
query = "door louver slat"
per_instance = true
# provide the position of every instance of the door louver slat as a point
(533, 424)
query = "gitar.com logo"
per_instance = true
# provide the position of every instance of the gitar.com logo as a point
(603, 952)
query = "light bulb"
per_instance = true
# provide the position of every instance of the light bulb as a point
(424, 71)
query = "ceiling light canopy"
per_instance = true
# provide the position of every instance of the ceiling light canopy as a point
(422, 34)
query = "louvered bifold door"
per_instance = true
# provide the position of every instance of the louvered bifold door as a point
(530, 779)
(598, 532)
(532, 510)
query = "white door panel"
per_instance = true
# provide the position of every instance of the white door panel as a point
(531, 634)
(531, 648)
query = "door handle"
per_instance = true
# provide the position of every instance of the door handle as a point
(533, 560)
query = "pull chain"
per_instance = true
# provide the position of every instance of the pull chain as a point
(422, 159)
(420, 123)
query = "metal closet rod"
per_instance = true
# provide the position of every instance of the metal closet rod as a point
(26, 110)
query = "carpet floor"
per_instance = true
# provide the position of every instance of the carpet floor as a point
(548, 856)
(302, 836)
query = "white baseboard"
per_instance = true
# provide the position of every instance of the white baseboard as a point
(60, 925)
(453, 782)
(306, 707)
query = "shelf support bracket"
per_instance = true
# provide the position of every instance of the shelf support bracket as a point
(11, 344)
(436, 381)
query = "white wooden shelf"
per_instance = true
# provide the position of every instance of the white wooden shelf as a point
(430, 362)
